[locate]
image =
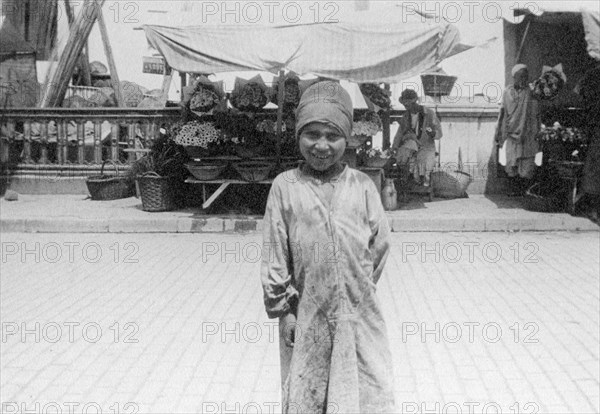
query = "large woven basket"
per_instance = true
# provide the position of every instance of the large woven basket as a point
(110, 187)
(253, 171)
(158, 193)
(446, 185)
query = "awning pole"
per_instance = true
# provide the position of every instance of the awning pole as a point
(280, 98)
(523, 40)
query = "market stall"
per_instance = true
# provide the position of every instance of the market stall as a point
(566, 36)
(368, 48)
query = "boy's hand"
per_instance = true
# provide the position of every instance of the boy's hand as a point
(287, 328)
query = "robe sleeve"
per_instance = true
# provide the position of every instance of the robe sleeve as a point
(280, 296)
(379, 242)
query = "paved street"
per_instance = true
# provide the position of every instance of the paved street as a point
(168, 323)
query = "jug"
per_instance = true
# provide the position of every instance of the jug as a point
(389, 195)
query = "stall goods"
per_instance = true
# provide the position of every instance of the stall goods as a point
(377, 95)
(249, 95)
(110, 187)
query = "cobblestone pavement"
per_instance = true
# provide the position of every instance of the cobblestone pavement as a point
(167, 323)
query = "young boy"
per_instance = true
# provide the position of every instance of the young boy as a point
(328, 241)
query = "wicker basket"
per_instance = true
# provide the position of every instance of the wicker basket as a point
(110, 187)
(253, 171)
(157, 193)
(435, 84)
(206, 171)
(446, 185)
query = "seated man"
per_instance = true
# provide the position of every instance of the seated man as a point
(419, 128)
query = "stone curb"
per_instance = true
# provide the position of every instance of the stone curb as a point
(254, 225)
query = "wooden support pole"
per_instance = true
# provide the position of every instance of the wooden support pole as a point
(59, 80)
(385, 120)
(280, 103)
(522, 45)
(114, 77)
(83, 64)
(183, 77)
(166, 85)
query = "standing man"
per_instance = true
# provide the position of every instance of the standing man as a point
(518, 125)
(419, 128)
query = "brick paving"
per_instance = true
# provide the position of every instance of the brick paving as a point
(174, 323)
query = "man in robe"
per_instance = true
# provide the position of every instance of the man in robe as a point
(518, 125)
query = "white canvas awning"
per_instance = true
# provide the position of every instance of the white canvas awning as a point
(369, 47)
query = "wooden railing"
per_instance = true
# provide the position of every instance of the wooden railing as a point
(57, 136)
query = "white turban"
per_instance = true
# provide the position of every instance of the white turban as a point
(517, 68)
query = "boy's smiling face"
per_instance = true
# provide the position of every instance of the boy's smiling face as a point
(321, 145)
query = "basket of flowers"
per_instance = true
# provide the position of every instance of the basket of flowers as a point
(376, 157)
(200, 139)
(377, 95)
(562, 144)
(202, 96)
(547, 86)
(367, 126)
(249, 95)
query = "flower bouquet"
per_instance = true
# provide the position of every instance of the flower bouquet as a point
(376, 157)
(376, 95)
(562, 144)
(200, 139)
(202, 96)
(291, 97)
(249, 95)
(547, 86)
(367, 126)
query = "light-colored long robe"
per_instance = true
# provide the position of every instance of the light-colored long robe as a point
(519, 124)
(330, 258)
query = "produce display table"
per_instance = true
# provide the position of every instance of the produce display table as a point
(223, 184)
